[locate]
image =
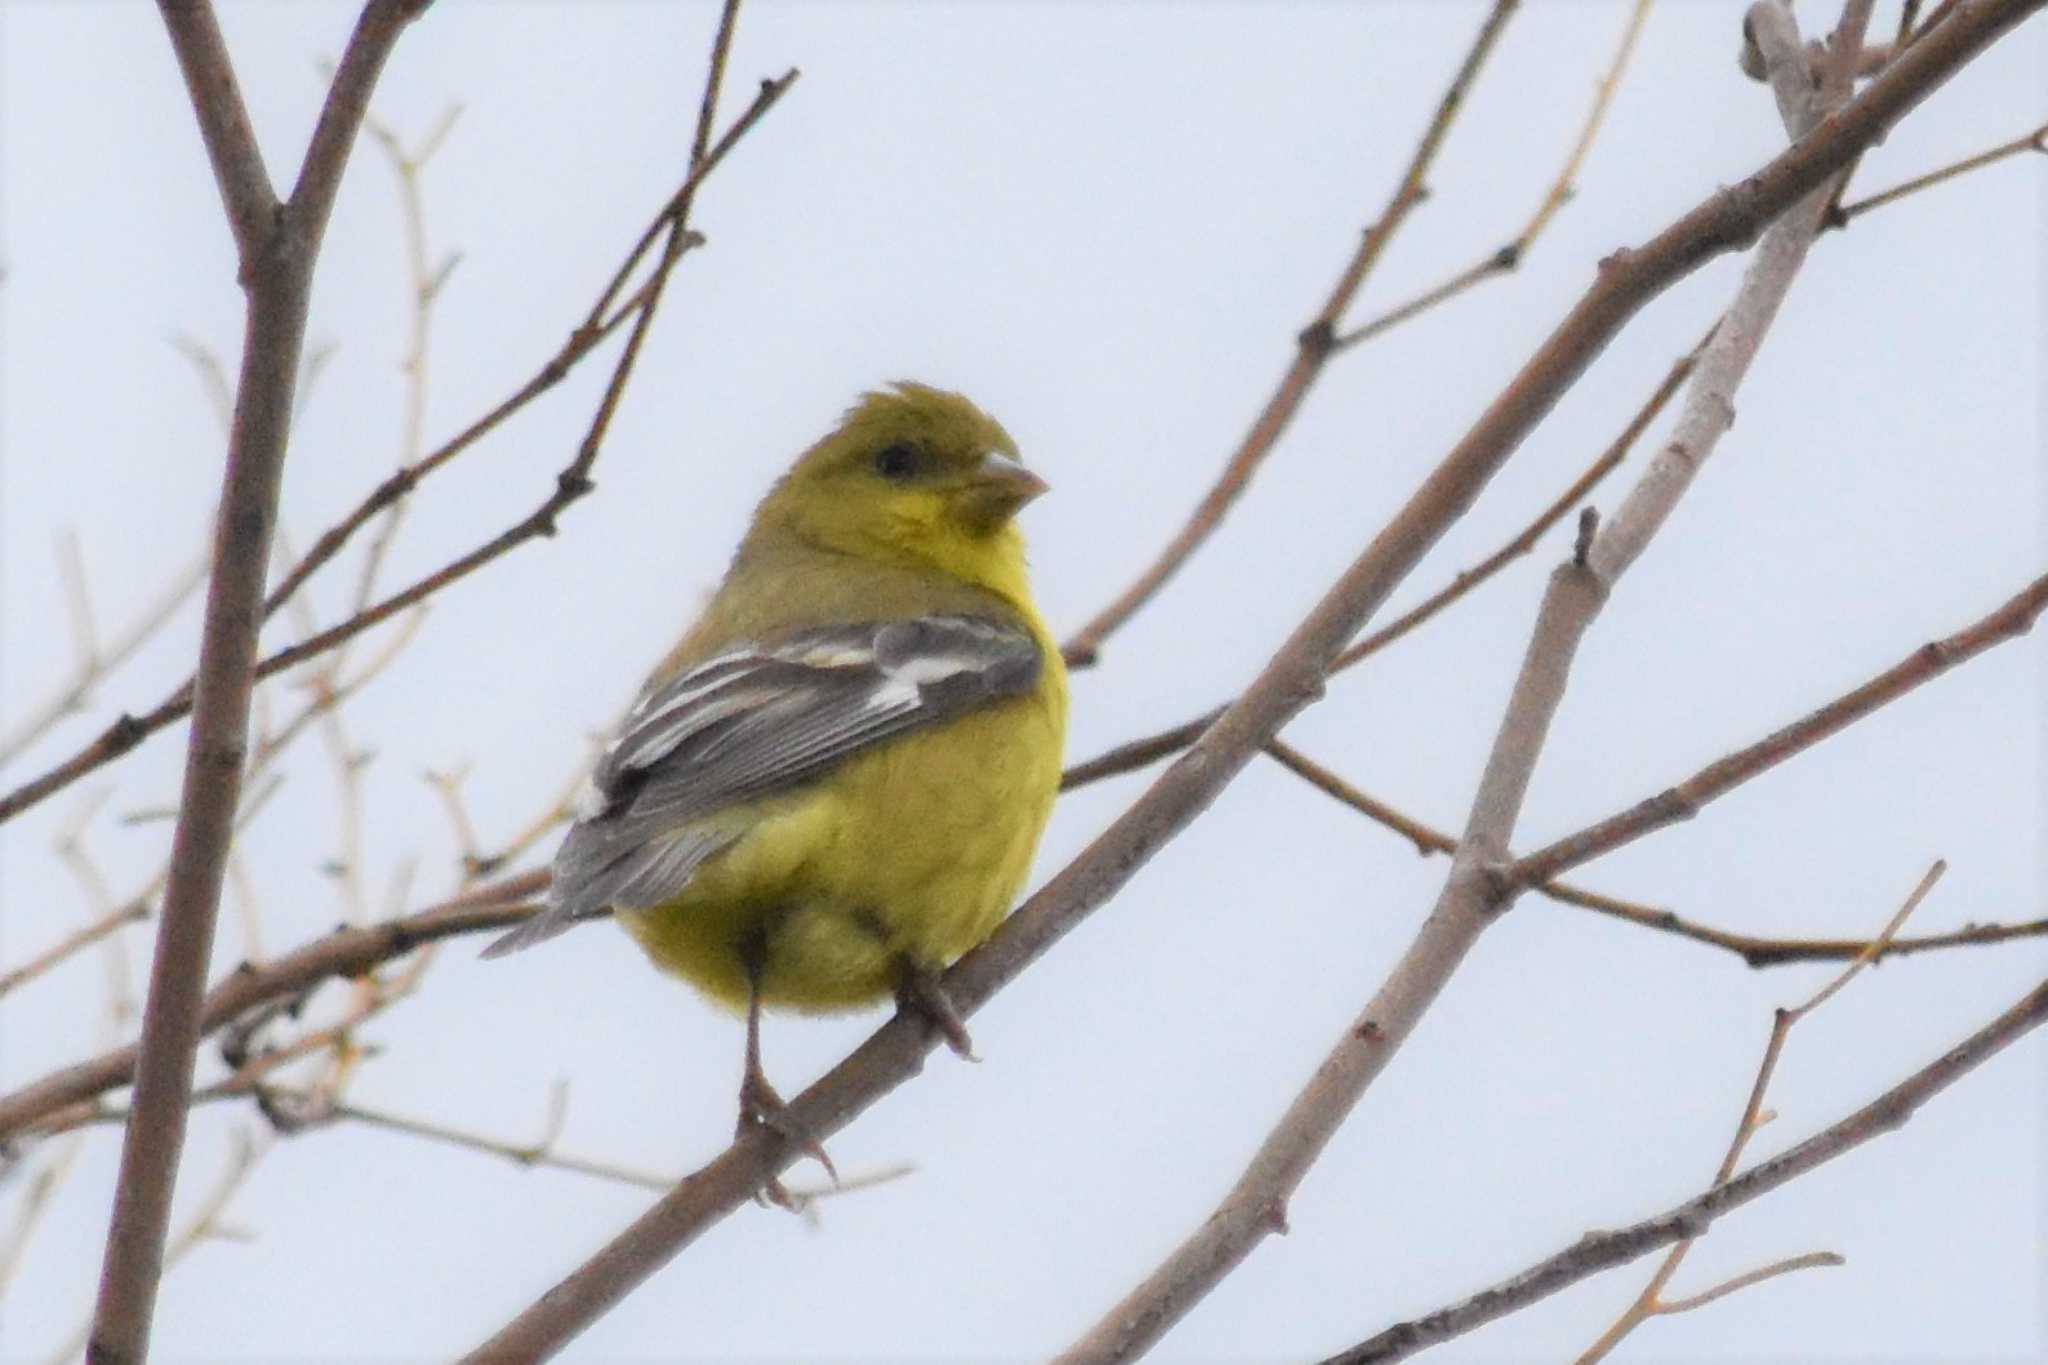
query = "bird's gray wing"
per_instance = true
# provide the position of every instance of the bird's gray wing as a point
(762, 717)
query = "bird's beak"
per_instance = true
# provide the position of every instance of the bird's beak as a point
(1008, 481)
(995, 490)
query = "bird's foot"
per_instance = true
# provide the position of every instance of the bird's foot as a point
(761, 1107)
(918, 992)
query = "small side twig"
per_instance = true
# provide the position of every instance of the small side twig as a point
(572, 483)
(346, 952)
(1139, 753)
(93, 658)
(1754, 950)
(1563, 186)
(541, 1152)
(2010, 621)
(1650, 1302)
(2034, 141)
(1601, 1251)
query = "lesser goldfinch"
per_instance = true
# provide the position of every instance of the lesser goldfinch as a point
(833, 787)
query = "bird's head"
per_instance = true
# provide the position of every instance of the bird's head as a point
(913, 475)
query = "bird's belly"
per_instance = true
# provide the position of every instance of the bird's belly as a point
(912, 850)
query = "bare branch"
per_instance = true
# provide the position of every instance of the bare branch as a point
(245, 189)
(84, 937)
(1650, 1302)
(571, 483)
(538, 1153)
(1605, 1250)
(1313, 348)
(1810, 1261)
(344, 953)
(1474, 893)
(1728, 219)
(1754, 950)
(1506, 259)
(2009, 622)
(204, 1222)
(342, 114)
(1140, 753)
(278, 253)
(2035, 141)
(95, 660)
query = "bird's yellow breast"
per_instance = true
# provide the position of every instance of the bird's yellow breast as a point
(915, 848)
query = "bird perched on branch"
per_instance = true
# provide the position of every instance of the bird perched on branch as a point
(834, 785)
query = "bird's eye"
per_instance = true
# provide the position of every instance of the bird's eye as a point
(897, 463)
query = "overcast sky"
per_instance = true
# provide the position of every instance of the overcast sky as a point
(1105, 223)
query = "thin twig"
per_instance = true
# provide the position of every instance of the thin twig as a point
(344, 953)
(425, 280)
(1681, 802)
(1149, 749)
(34, 1203)
(94, 660)
(2035, 141)
(1605, 1250)
(1559, 193)
(1139, 753)
(83, 937)
(542, 1152)
(1312, 350)
(1650, 1302)
(1755, 951)
(1810, 1261)
(572, 483)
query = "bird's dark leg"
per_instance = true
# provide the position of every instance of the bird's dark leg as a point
(918, 992)
(760, 1105)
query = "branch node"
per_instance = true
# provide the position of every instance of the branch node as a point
(1589, 526)
(1319, 338)
(1497, 885)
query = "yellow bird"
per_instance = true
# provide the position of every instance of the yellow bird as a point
(833, 787)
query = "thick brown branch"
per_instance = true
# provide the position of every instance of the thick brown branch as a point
(277, 271)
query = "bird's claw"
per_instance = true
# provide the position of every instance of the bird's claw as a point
(762, 1108)
(918, 992)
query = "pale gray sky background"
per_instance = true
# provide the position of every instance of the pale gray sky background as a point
(1104, 222)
